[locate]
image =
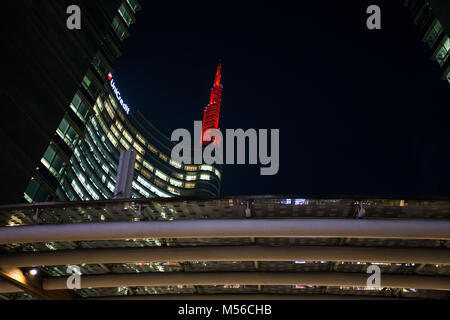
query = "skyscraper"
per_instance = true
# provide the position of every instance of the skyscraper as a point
(212, 111)
(78, 156)
(44, 64)
(433, 22)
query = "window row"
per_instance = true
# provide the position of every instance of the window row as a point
(53, 162)
(117, 128)
(443, 52)
(67, 133)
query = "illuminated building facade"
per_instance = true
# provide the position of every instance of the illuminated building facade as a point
(46, 62)
(81, 161)
(212, 111)
(433, 21)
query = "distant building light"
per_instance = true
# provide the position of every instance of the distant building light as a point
(299, 202)
(33, 272)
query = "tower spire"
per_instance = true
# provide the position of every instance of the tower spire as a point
(212, 110)
(218, 75)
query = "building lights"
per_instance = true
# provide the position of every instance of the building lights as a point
(212, 111)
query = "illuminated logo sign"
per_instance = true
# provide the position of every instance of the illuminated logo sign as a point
(116, 91)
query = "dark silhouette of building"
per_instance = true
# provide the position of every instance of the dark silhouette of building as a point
(45, 64)
(64, 122)
(433, 21)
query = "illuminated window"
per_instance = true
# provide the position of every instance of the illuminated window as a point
(98, 106)
(125, 144)
(32, 191)
(443, 52)
(119, 28)
(206, 168)
(78, 190)
(175, 164)
(87, 186)
(448, 76)
(110, 186)
(174, 191)
(205, 176)
(178, 175)
(115, 131)
(79, 107)
(105, 168)
(141, 139)
(152, 148)
(152, 188)
(189, 185)
(160, 184)
(434, 33)
(138, 148)
(146, 174)
(110, 110)
(53, 162)
(112, 139)
(100, 119)
(141, 190)
(119, 125)
(96, 109)
(90, 87)
(67, 133)
(164, 157)
(27, 197)
(113, 102)
(148, 166)
(125, 15)
(161, 175)
(190, 168)
(191, 177)
(175, 182)
(133, 5)
(100, 66)
(127, 136)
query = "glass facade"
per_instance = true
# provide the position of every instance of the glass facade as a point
(433, 31)
(85, 166)
(443, 52)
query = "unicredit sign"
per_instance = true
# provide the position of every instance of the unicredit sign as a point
(117, 93)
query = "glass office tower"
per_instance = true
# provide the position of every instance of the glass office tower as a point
(433, 23)
(82, 159)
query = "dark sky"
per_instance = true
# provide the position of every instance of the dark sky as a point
(359, 111)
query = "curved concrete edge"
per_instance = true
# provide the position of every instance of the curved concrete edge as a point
(226, 253)
(241, 228)
(249, 278)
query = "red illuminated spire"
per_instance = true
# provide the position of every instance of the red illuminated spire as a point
(212, 110)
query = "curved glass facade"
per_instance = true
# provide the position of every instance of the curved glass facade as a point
(82, 160)
(110, 131)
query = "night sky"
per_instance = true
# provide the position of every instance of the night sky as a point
(360, 112)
